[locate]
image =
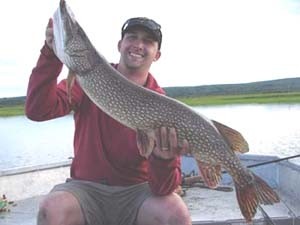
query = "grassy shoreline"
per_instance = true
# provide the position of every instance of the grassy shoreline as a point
(14, 110)
(267, 98)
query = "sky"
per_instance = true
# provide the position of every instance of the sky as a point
(204, 41)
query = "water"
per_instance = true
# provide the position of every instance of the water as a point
(28, 143)
(269, 130)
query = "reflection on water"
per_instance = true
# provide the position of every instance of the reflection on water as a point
(269, 130)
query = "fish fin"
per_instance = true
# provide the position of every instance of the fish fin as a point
(211, 174)
(145, 142)
(70, 82)
(233, 138)
(250, 196)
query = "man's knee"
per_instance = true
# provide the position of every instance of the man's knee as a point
(164, 210)
(176, 212)
(46, 210)
(59, 208)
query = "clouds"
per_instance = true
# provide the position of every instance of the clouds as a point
(239, 41)
(204, 42)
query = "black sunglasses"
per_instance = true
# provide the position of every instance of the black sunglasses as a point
(151, 24)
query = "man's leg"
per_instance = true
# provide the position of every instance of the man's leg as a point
(164, 210)
(60, 208)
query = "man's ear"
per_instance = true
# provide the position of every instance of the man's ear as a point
(119, 45)
(158, 54)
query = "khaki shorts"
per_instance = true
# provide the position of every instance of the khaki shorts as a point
(107, 205)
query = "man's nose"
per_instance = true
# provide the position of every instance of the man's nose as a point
(138, 43)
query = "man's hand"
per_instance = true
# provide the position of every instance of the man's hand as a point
(161, 142)
(49, 34)
(167, 146)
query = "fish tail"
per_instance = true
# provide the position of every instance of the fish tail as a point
(253, 194)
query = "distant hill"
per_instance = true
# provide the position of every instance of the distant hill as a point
(271, 86)
(12, 101)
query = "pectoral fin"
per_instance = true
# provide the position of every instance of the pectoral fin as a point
(145, 142)
(234, 139)
(211, 174)
(70, 82)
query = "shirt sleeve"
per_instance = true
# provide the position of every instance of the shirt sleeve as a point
(164, 175)
(45, 98)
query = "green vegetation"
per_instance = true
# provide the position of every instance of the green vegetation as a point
(12, 106)
(288, 85)
(16, 110)
(263, 92)
(269, 98)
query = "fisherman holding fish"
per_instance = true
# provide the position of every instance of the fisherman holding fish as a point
(111, 182)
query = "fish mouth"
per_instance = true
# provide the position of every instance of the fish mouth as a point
(62, 3)
(67, 23)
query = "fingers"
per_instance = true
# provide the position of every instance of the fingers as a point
(167, 145)
(50, 23)
(49, 34)
(167, 140)
(164, 139)
(173, 139)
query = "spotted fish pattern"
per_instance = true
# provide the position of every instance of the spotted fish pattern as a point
(210, 142)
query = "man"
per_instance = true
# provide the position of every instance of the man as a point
(111, 183)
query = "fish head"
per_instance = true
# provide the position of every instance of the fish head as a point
(71, 45)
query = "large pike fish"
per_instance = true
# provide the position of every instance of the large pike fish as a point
(211, 143)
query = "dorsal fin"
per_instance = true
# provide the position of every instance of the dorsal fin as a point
(234, 139)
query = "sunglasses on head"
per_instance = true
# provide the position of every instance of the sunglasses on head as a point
(151, 24)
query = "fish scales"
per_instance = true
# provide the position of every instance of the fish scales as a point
(143, 110)
(138, 108)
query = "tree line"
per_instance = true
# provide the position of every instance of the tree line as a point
(260, 87)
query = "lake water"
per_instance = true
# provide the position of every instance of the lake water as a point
(269, 130)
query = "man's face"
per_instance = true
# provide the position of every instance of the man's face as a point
(138, 49)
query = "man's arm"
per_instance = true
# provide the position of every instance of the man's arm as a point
(164, 175)
(45, 99)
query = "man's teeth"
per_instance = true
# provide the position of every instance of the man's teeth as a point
(135, 55)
